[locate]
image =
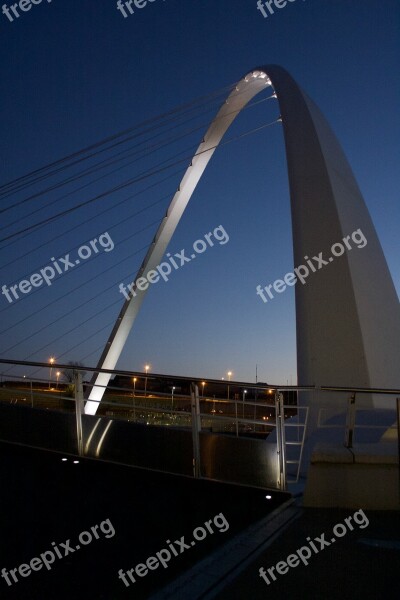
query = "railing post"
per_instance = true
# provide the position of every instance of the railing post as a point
(236, 416)
(280, 439)
(79, 404)
(350, 421)
(398, 435)
(196, 428)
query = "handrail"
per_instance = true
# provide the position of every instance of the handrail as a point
(361, 390)
(189, 379)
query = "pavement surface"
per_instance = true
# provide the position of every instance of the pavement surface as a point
(46, 501)
(47, 504)
(363, 564)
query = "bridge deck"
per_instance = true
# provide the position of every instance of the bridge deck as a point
(45, 500)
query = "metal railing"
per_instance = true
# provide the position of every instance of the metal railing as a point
(235, 410)
(248, 415)
(352, 423)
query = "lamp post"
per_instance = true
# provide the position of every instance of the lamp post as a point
(244, 395)
(58, 377)
(51, 361)
(172, 401)
(146, 368)
(203, 383)
(229, 378)
(133, 399)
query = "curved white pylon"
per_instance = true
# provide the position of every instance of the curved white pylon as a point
(245, 90)
(347, 312)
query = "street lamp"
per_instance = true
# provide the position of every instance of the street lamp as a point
(133, 399)
(58, 376)
(51, 361)
(172, 401)
(146, 368)
(244, 395)
(203, 383)
(229, 376)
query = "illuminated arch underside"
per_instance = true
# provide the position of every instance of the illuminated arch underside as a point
(347, 315)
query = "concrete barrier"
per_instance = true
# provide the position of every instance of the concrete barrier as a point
(365, 476)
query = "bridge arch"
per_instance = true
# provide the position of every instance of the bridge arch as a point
(347, 315)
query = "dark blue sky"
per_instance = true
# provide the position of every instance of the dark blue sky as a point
(75, 72)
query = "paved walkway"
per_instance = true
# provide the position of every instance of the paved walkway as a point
(363, 564)
(44, 499)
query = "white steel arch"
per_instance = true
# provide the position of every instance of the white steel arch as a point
(245, 90)
(347, 318)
